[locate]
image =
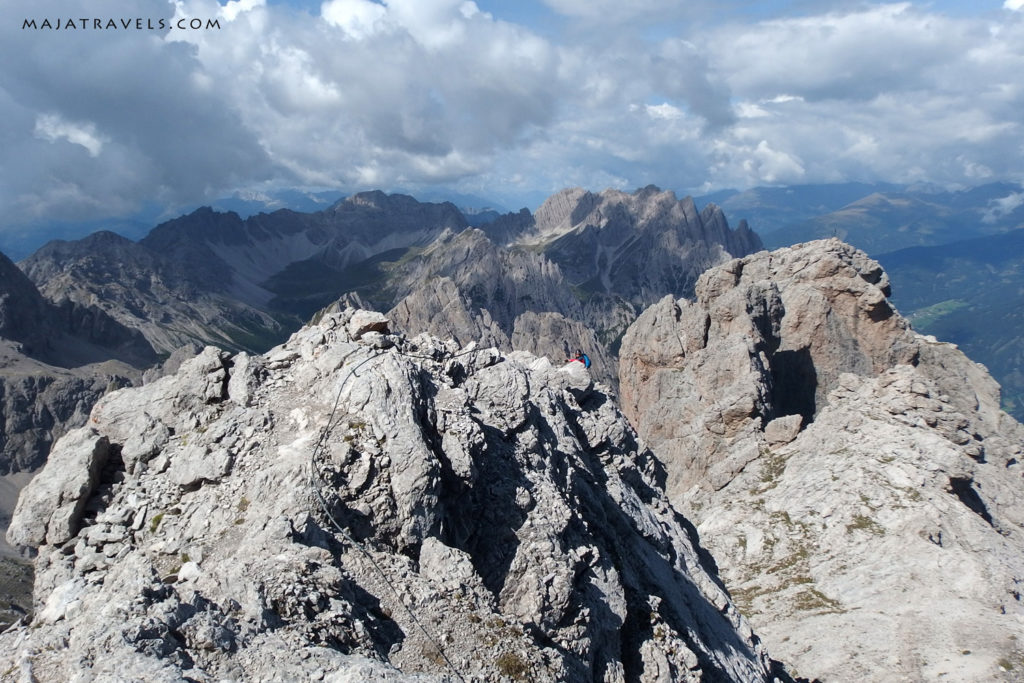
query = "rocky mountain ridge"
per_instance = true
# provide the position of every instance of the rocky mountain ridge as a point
(360, 505)
(951, 255)
(586, 264)
(215, 278)
(56, 361)
(635, 244)
(207, 277)
(857, 482)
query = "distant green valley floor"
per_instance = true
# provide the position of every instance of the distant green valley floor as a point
(970, 293)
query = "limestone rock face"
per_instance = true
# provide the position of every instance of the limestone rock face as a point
(22, 308)
(556, 337)
(639, 246)
(439, 308)
(505, 282)
(467, 288)
(855, 481)
(171, 295)
(40, 403)
(339, 508)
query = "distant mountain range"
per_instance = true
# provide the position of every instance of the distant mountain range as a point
(573, 275)
(244, 274)
(876, 218)
(18, 241)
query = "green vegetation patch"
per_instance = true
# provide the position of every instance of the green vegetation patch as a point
(813, 600)
(923, 318)
(512, 665)
(865, 523)
(772, 467)
(253, 337)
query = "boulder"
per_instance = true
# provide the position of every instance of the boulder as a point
(50, 507)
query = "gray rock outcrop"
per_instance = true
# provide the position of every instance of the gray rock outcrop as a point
(467, 288)
(40, 403)
(439, 308)
(50, 508)
(56, 360)
(376, 508)
(856, 482)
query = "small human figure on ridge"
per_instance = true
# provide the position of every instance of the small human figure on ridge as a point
(580, 357)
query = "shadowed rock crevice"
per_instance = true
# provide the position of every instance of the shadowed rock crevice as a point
(962, 488)
(794, 384)
(482, 518)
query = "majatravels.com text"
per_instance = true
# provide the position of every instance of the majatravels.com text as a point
(108, 24)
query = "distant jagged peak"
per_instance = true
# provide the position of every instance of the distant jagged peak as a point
(455, 245)
(557, 212)
(639, 245)
(205, 224)
(100, 238)
(379, 200)
(376, 199)
(572, 209)
(55, 263)
(62, 333)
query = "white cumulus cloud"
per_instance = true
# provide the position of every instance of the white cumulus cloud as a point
(357, 18)
(1004, 206)
(52, 127)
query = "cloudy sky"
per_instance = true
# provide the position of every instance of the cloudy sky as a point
(507, 100)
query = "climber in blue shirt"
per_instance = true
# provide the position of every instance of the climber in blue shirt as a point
(581, 358)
